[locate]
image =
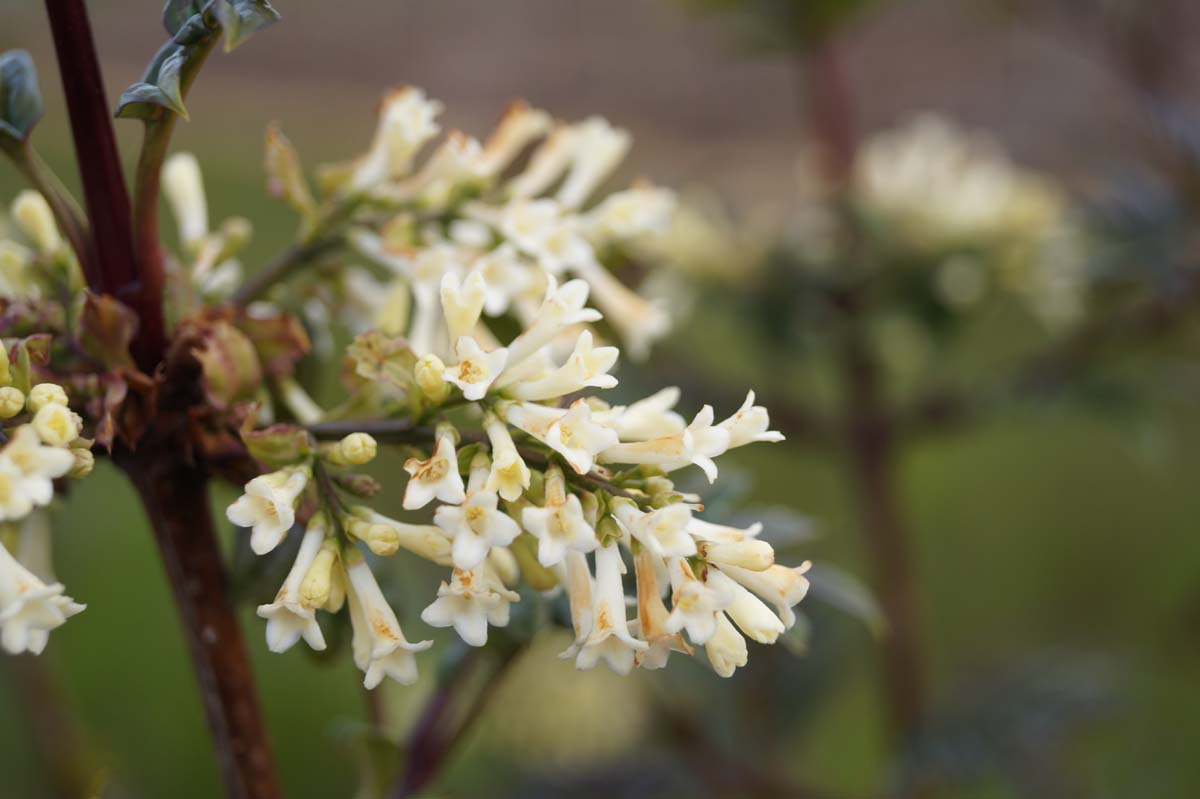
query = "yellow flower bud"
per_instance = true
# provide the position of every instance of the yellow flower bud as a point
(5, 375)
(84, 462)
(357, 449)
(317, 586)
(44, 394)
(32, 213)
(337, 590)
(12, 402)
(428, 373)
(56, 425)
(382, 539)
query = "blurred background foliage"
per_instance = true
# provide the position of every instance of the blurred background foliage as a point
(1048, 516)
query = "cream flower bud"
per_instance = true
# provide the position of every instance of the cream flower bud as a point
(56, 425)
(289, 617)
(357, 449)
(782, 586)
(726, 649)
(44, 394)
(424, 540)
(429, 376)
(33, 215)
(753, 555)
(382, 539)
(406, 122)
(749, 612)
(12, 402)
(183, 187)
(85, 461)
(318, 579)
(546, 164)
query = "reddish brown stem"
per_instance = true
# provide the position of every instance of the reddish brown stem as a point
(110, 263)
(175, 497)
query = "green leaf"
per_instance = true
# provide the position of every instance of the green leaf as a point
(843, 591)
(241, 18)
(20, 99)
(159, 87)
(178, 13)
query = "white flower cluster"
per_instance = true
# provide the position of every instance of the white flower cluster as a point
(467, 211)
(42, 448)
(520, 468)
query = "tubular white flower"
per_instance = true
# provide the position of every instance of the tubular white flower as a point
(183, 187)
(562, 307)
(648, 418)
(546, 165)
(571, 433)
(749, 424)
(609, 639)
(726, 649)
(268, 507)
(631, 213)
(15, 499)
(749, 612)
(782, 586)
(475, 527)
(471, 601)
(598, 148)
(662, 531)
(653, 615)
(695, 605)
(435, 478)
(639, 321)
(559, 526)
(406, 122)
(387, 651)
(288, 619)
(574, 573)
(462, 303)
(697, 444)
(519, 126)
(509, 476)
(29, 608)
(474, 370)
(586, 367)
(39, 465)
(505, 276)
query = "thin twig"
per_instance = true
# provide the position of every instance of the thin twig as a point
(290, 260)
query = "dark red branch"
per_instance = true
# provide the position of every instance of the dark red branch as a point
(110, 266)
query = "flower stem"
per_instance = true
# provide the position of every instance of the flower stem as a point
(446, 719)
(290, 260)
(116, 269)
(174, 494)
